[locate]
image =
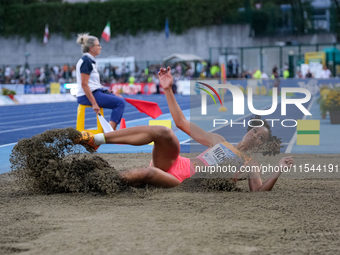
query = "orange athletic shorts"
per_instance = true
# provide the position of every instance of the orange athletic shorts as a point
(180, 168)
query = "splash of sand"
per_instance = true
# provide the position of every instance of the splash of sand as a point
(52, 163)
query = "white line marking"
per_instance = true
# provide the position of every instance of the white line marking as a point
(164, 116)
(46, 125)
(293, 140)
(57, 123)
(25, 120)
(4, 145)
(135, 120)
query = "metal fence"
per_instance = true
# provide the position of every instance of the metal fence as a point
(266, 57)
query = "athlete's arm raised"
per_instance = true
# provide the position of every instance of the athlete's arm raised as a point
(255, 182)
(194, 131)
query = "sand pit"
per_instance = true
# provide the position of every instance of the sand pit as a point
(300, 216)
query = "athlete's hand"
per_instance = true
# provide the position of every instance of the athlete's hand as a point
(286, 161)
(165, 78)
(96, 108)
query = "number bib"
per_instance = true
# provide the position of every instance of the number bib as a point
(219, 153)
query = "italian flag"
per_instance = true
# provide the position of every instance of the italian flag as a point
(46, 35)
(107, 32)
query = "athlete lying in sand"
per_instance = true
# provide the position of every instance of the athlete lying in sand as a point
(168, 169)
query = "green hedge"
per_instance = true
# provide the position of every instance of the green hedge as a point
(126, 16)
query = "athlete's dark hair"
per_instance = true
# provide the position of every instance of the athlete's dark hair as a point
(273, 145)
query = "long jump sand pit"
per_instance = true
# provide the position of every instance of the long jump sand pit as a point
(300, 216)
(75, 203)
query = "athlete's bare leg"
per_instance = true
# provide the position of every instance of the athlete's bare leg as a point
(166, 145)
(149, 175)
(165, 152)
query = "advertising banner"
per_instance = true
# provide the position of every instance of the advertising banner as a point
(35, 89)
(132, 89)
(55, 88)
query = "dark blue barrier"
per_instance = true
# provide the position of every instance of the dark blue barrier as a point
(35, 89)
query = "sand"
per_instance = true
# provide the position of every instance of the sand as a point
(300, 216)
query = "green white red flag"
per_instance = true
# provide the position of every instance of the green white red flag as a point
(46, 35)
(107, 32)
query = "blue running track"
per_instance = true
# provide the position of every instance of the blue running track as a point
(24, 121)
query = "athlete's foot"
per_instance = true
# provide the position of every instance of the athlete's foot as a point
(87, 138)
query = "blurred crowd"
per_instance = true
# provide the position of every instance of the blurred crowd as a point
(179, 70)
(38, 75)
(23, 74)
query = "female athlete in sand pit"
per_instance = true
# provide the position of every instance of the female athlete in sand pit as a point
(168, 169)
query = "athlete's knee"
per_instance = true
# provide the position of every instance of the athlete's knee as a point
(163, 132)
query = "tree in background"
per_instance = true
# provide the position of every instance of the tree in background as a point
(25, 2)
(336, 23)
(301, 15)
(28, 18)
(267, 15)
